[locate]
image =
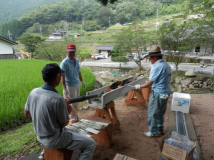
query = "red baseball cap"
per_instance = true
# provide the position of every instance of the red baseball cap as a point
(70, 47)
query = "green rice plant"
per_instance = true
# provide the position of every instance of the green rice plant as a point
(18, 79)
(89, 79)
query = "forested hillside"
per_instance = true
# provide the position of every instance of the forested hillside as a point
(10, 9)
(89, 14)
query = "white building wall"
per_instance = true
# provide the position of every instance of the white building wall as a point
(206, 49)
(5, 48)
(105, 53)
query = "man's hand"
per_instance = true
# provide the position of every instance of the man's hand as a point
(83, 84)
(65, 93)
(137, 86)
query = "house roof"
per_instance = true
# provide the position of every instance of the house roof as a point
(7, 40)
(105, 48)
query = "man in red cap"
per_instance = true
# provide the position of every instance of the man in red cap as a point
(72, 77)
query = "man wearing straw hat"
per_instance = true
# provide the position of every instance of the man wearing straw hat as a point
(160, 80)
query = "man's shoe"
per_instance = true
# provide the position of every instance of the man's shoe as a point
(41, 155)
(148, 134)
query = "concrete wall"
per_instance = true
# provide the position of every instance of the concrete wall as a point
(7, 56)
(5, 48)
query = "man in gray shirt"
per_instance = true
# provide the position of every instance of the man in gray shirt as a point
(50, 114)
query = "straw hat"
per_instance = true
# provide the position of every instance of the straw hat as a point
(154, 51)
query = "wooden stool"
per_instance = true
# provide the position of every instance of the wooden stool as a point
(57, 154)
(109, 113)
(139, 100)
(104, 137)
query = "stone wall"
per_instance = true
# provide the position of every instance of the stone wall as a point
(184, 84)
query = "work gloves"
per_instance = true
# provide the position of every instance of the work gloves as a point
(83, 84)
(65, 93)
(137, 86)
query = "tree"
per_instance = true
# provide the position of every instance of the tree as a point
(105, 2)
(177, 40)
(54, 51)
(30, 41)
(103, 16)
(202, 24)
(132, 38)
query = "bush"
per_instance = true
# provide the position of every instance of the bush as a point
(84, 55)
(119, 59)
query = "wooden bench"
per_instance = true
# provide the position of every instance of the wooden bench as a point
(57, 154)
(104, 137)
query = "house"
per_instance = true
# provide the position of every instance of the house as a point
(106, 50)
(6, 48)
(63, 32)
(55, 36)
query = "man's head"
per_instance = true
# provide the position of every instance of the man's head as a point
(52, 72)
(70, 51)
(154, 54)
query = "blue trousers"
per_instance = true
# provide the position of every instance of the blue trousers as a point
(156, 110)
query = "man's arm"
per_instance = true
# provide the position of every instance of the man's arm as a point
(64, 124)
(27, 113)
(63, 81)
(147, 84)
(80, 76)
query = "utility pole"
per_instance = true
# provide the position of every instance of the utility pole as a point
(9, 34)
(40, 31)
(109, 21)
(81, 30)
(157, 22)
(66, 25)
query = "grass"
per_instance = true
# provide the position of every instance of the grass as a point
(18, 79)
(22, 140)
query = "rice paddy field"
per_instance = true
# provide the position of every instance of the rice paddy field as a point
(18, 78)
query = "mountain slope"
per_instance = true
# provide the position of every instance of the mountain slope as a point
(10, 9)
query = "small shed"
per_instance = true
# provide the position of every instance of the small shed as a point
(6, 48)
(106, 50)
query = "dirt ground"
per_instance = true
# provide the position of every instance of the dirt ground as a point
(202, 113)
(131, 142)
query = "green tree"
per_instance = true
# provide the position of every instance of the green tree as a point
(30, 42)
(55, 51)
(132, 38)
(103, 16)
(177, 40)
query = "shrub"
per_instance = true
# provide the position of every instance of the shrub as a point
(119, 59)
